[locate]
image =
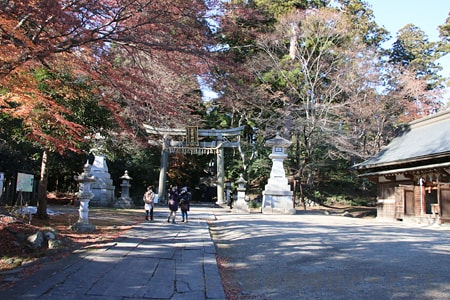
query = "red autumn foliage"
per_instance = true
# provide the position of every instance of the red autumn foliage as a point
(143, 56)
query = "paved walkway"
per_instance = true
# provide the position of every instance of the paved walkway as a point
(154, 260)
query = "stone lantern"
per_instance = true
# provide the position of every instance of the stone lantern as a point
(124, 200)
(84, 195)
(277, 195)
(241, 204)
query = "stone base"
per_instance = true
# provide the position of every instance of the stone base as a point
(241, 206)
(82, 227)
(278, 202)
(103, 197)
(123, 203)
(278, 211)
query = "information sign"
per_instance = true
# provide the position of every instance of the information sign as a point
(24, 182)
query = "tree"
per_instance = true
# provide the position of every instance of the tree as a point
(279, 8)
(444, 44)
(418, 79)
(271, 52)
(444, 34)
(16, 151)
(361, 17)
(92, 39)
(306, 92)
(413, 50)
(320, 76)
(78, 106)
(316, 73)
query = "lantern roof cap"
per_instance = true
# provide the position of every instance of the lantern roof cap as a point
(278, 141)
(241, 179)
(126, 176)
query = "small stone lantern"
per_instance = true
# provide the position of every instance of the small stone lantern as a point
(277, 195)
(124, 200)
(241, 204)
(84, 195)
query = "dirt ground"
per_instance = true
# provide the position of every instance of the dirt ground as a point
(232, 288)
(339, 209)
(16, 254)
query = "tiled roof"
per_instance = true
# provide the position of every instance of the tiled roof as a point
(421, 139)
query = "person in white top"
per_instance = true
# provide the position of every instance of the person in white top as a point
(149, 202)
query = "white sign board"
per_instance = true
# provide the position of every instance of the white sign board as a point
(24, 182)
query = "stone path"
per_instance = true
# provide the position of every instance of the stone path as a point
(154, 260)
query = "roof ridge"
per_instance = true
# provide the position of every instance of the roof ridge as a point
(430, 119)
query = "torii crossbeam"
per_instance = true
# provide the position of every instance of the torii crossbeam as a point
(190, 144)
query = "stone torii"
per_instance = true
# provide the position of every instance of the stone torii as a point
(190, 144)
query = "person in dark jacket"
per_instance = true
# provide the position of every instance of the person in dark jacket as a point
(173, 204)
(185, 201)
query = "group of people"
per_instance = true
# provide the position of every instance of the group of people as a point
(176, 200)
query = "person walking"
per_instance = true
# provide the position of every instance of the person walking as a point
(185, 200)
(173, 204)
(149, 198)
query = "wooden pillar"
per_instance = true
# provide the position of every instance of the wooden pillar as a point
(162, 189)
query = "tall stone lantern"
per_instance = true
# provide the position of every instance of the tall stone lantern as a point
(277, 195)
(84, 194)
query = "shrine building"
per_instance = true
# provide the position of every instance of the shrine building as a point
(413, 172)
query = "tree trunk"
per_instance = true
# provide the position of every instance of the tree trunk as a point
(42, 196)
(293, 41)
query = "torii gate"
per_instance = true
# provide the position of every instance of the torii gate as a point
(190, 144)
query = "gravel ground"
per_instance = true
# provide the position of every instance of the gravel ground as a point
(316, 256)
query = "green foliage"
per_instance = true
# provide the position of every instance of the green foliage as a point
(142, 164)
(413, 51)
(254, 204)
(16, 152)
(444, 34)
(259, 171)
(361, 16)
(279, 8)
(335, 184)
(78, 96)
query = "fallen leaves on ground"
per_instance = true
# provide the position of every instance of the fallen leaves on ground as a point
(231, 289)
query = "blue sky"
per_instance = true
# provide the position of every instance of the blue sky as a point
(427, 15)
